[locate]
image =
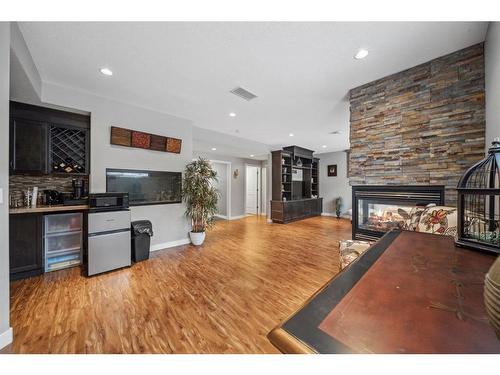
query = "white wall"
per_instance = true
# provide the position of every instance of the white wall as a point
(5, 331)
(333, 187)
(237, 184)
(492, 80)
(221, 185)
(169, 224)
(23, 67)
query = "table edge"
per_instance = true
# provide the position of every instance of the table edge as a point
(288, 343)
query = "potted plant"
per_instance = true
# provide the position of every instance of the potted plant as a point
(338, 206)
(200, 196)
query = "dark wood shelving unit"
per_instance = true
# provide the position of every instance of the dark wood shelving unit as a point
(315, 177)
(294, 200)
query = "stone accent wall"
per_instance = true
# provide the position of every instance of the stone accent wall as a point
(19, 184)
(422, 126)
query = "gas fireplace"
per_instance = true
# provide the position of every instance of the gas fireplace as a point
(378, 209)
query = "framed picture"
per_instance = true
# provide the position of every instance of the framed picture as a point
(332, 170)
(132, 138)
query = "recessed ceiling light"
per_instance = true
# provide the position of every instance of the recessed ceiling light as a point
(291, 134)
(361, 54)
(324, 146)
(252, 155)
(214, 149)
(232, 114)
(106, 71)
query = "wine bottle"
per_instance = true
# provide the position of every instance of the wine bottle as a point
(68, 168)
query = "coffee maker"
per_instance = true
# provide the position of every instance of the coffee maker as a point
(52, 197)
(79, 188)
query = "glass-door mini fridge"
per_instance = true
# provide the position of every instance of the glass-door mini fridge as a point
(63, 240)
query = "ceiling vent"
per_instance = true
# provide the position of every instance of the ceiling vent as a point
(242, 93)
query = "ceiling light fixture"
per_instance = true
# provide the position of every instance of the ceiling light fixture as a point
(214, 149)
(252, 155)
(291, 134)
(324, 146)
(106, 71)
(232, 114)
(361, 54)
(336, 132)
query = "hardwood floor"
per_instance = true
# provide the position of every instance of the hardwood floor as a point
(223, 297)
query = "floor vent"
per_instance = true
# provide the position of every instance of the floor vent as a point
(242, 93)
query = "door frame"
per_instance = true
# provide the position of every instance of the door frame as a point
(263, 190)
(228, 187)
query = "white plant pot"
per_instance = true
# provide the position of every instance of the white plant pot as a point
(197, 238)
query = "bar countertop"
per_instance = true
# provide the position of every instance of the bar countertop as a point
(48, 209)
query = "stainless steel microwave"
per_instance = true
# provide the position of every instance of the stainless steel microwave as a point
(108, 201)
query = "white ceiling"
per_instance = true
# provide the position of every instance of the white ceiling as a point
(301, 72)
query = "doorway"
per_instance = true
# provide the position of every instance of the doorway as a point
(223, 185)
(254, 190)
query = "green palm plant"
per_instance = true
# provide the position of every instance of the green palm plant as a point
(199, 194)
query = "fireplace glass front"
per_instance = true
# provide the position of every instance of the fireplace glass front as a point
(379, 209)
(382, 217)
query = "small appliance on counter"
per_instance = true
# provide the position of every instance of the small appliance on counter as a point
(52, 197)
(109, 243)
(79, 188)
(78, 195)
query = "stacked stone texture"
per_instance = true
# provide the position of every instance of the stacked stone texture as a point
(19, 184)
(422, 126)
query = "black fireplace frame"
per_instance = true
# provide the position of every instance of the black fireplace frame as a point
(394, 194)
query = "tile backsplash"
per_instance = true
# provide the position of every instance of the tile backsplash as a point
(19, 184)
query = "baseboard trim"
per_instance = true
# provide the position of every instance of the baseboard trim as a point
(221, 216)
(237, 217)
(6, 338)
(329, 214)
(167, 245)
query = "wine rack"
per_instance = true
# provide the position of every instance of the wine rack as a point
(68, 150)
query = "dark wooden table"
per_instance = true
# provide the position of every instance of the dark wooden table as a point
(409, 293)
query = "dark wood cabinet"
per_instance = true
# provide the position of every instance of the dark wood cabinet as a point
(28, 146)
(25, 245)
(285, 212)
(48, 141)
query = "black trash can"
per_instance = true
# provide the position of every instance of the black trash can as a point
(142, 230)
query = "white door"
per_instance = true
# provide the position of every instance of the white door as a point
(252, 190)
